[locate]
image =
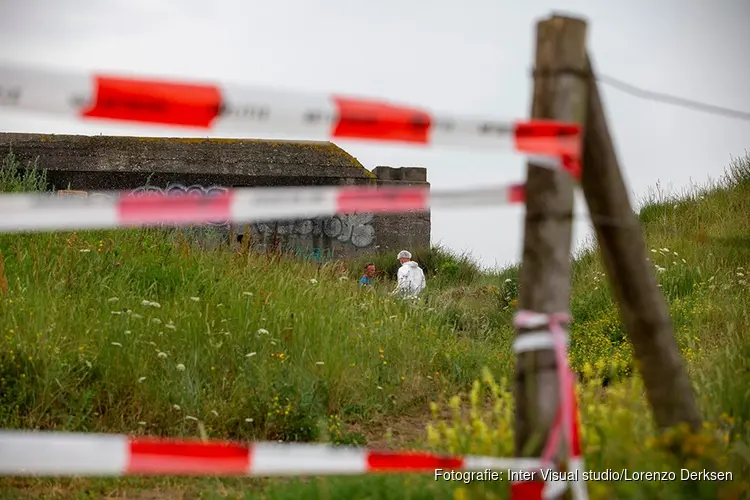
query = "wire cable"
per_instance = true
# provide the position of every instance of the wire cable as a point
(671, 99)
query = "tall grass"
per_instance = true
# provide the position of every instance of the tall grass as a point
(15, 177)
(129, 331)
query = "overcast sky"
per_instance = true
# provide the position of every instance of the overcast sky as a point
(471, 57)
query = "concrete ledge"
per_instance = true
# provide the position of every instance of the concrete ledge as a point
(208, 159)
(77, 164)
(402, 174)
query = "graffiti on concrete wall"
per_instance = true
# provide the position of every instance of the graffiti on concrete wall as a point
(176, 189)
(173, 189)
(309, 253)
(356, 229)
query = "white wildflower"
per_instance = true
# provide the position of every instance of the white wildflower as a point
(380, 388)
(116, 313)
(141, 379)
(508, 280)
(319, 363)
(195, 299)
(180, 367)
(249, 420)
(247, 294)
(171, 326)
(250, 354)
(142, 423)
(116, 344)
(156, 320)
(189, 417)
(162, 355)
(313, 281)
(176, 407)
(84, 250)
(112, 299)
(262, 331)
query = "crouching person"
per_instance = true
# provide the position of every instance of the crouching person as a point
(411, 281)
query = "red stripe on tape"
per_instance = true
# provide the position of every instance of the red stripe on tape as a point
(527, 490)
(548, 137)
(151, 208)
(384, 462)
(153, 456)
(517, 193)
(151, 101)
(576, 421)
(382, 200)
(365, 119)
(572, 164)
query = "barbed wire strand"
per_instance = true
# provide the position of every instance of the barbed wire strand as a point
(650, 95)
(665, 98)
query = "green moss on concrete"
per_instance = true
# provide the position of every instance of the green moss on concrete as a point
(310, 153)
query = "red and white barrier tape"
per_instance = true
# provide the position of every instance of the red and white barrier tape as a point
(566, 420)
(27, 453)
(40, 212)
(258, 111)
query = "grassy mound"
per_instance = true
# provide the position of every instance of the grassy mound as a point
(140, 333)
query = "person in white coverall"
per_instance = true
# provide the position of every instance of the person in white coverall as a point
(411, 279)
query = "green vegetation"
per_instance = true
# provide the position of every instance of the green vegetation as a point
(132, 332)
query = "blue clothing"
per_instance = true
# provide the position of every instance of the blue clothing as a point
(365, 281)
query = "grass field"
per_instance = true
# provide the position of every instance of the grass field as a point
(136, 332)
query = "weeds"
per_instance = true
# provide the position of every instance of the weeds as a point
(14, 177)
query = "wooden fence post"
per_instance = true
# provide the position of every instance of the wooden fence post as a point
(642, 306)
(544, 278)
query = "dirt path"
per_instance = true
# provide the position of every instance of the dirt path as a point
(405, 431)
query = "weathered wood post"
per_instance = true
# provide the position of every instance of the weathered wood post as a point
(642, 306)
(560, 92)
